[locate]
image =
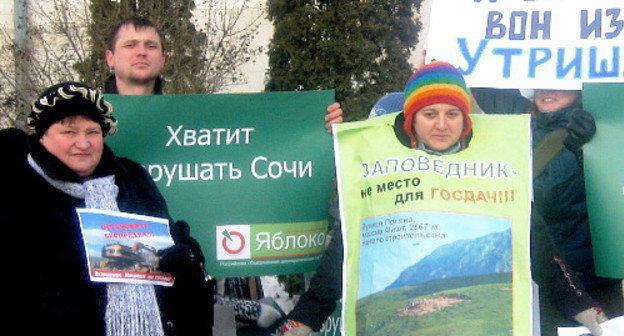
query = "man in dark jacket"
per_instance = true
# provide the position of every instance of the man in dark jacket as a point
(136, 54)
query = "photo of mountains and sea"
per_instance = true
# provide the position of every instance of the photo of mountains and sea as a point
(435, 273)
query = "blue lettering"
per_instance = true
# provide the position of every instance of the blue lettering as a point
(575, 63)
(472, 61)
(603, 72)
(617, 24)
(495, 29)
(534, 61)
(517, 32)
(594, 27)
(518, 25)
(507, 53)
(543, 26)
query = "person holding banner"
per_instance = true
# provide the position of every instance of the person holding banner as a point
(65, 165)
(559, 189)
(136, 55)
(438, 125)
(580, 128)
(438, 122)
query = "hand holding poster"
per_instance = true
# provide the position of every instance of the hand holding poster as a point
(436, 244)
(529, 44)
(122, 247)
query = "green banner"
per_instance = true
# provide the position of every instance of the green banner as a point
(251, 173)
(436, 245)
(604, 177)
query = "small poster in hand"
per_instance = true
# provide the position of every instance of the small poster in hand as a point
(122, 247)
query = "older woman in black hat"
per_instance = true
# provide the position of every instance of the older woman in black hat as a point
(45, 176)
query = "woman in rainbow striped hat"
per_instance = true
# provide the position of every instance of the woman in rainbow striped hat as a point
(436, 112)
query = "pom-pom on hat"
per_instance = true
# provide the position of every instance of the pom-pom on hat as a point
(435, 83)
(69, 99)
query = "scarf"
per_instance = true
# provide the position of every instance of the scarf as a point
(131, 310)
(451, 150)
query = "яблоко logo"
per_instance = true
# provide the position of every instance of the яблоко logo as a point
(228, 241)
(233, 242)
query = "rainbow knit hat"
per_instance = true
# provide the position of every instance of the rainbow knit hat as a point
(435, 83)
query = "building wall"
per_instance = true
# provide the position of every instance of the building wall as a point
(423, 16)
(6, 16)
(256, 69)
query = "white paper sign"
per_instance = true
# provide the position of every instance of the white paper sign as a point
(529, 44)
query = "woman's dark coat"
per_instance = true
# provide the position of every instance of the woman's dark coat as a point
(559, 192)
(47, 259)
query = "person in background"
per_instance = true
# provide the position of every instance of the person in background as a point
(136, 54)
(65, 165)
(559, 191)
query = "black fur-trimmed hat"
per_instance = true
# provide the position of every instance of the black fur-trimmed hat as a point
(68, 99)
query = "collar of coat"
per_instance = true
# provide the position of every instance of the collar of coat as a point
(110, 86)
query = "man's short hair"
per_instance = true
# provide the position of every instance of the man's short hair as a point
(138, 23)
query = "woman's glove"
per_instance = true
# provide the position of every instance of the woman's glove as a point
(293, 328)
(591, 319)
(581, 128)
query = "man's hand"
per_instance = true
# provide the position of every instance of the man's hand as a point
(333, 116)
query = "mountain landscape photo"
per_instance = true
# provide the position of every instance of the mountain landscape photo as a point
(461, 288)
